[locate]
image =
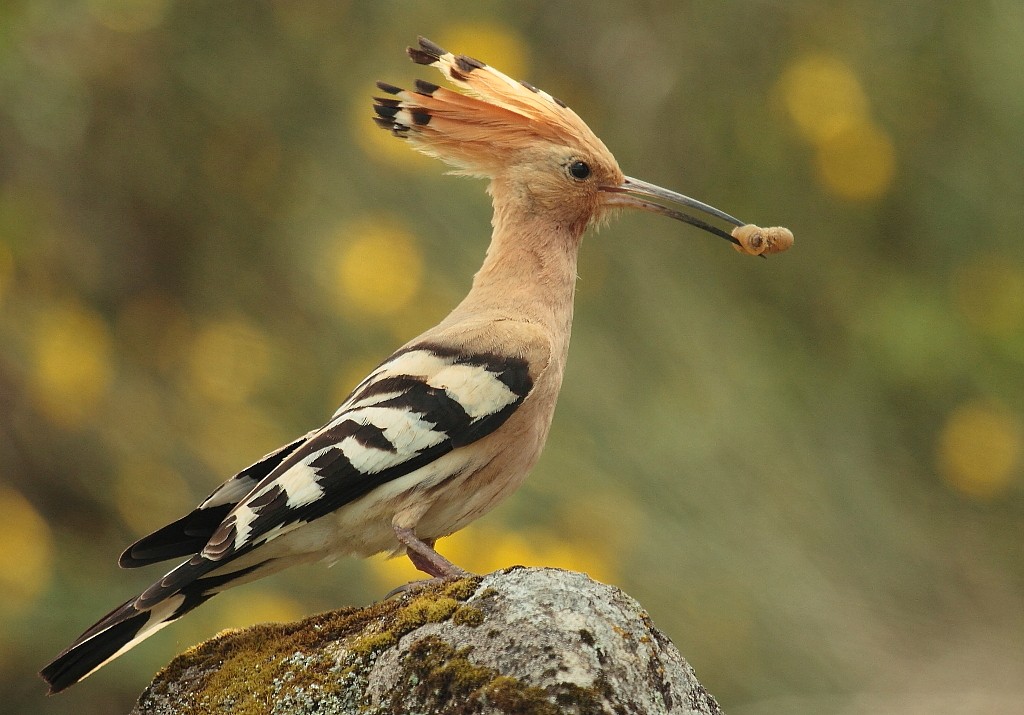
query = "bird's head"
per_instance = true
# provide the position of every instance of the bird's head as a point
(539, 155)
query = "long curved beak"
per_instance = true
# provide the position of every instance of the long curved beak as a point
(636, 194)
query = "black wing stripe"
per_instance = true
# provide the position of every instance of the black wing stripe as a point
(190, 533)
(413, 421)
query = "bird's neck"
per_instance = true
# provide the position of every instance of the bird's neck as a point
(529, 272)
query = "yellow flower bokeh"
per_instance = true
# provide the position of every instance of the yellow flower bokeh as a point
(376, 268)
(857, 162)
(854, 156)
(823, 96)
(494, 44)
(257, 606)
(482, 549)
(979, 449)
(71, 366)
(26, 559)
(379, 143)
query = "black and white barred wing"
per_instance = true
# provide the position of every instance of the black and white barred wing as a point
(420, 404)
(190, 533)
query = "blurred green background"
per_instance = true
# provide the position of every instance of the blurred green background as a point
(809, 469)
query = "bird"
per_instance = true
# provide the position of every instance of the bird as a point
(447, 426)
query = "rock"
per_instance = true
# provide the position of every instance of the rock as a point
(520, 641)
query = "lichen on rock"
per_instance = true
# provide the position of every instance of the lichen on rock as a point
(516, 641)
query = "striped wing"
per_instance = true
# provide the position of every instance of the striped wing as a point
(422, 403)
(190, 533)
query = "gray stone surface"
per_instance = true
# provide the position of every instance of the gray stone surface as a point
(516, 641)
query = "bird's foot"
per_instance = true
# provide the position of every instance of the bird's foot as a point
(423, 556)
(414, 586)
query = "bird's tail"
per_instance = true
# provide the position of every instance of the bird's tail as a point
(183, 589)
(120, 630)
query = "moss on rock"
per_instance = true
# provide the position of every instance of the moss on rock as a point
(252, 671)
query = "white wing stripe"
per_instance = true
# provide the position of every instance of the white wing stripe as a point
(407, 431)
(414, 362)
(368, 460)
(475, 388)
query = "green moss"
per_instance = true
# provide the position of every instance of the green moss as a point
(372, 643)
(427, 608)
(243, 670)
(438, 677)
(509, 695)
(468, 616)
(249, 671)
(462, 589)
(488, 593)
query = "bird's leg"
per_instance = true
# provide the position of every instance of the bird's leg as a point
(423, 556)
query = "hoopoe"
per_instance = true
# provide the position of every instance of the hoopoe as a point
(449, 425)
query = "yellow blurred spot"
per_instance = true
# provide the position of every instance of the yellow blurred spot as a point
(493, 44)
(228, 360)
(149, 493)
(71, 363)
(857, 162)
(128, 15)
(258, 607)
(380, 143)
(26, 558)
(989, 291)
(979, 449)
(377, 268)
(483, 549)
(823, 96)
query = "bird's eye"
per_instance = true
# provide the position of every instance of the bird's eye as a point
(579, 169)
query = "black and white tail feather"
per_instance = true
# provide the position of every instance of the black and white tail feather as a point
(422, 403)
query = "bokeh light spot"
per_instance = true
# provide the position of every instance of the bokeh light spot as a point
(377, 268)
(496, 45)
(379, 143)
(857, 162)
(128, 15)
(71, 363)
(482, 549)
(26, 558)
(228, 360)
(989, 292)
(823, 96)
(258, 606)
(979, 449)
